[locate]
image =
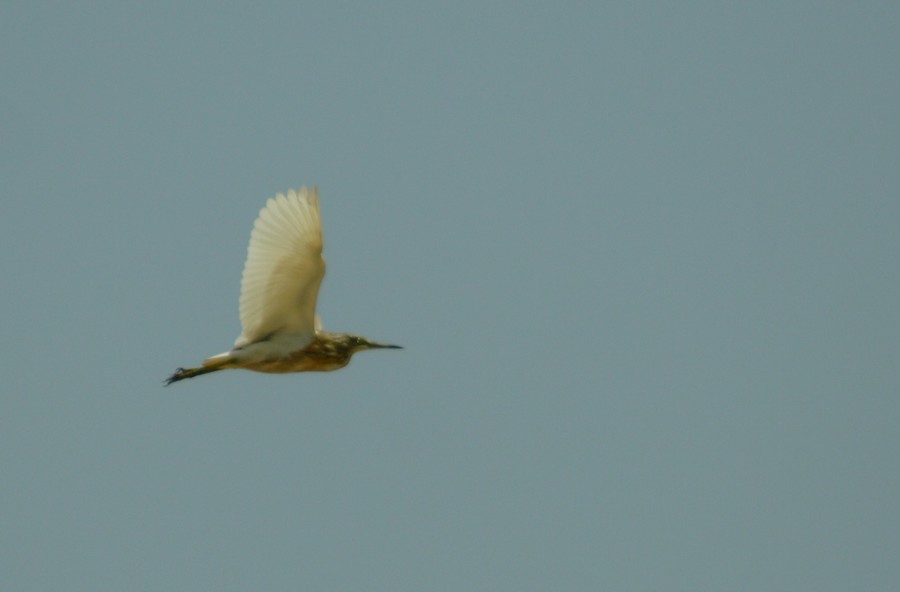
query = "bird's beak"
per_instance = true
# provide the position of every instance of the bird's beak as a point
(383, 346)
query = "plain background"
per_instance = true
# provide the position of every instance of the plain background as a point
(642, 257)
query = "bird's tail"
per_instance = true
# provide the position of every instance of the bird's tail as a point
(213, 364)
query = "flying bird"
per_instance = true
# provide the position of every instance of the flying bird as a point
(279, 287)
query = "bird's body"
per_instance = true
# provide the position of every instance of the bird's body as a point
(279, 289)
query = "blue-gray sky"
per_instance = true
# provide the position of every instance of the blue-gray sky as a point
(642, 256)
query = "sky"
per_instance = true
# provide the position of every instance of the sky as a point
(642, 258)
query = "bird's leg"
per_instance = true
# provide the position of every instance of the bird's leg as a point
(183, 373)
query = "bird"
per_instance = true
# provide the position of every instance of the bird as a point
(280, 331)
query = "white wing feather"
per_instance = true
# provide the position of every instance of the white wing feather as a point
(284, 270)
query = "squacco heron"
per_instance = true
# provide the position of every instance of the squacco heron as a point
(279, 288)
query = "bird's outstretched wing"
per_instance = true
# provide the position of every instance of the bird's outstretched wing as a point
(284, 269)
